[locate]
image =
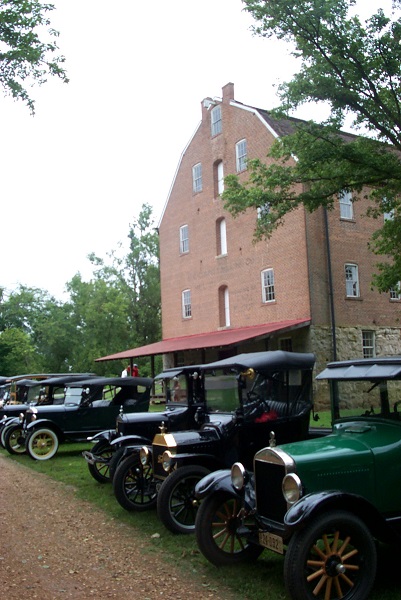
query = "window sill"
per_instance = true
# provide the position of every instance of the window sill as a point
(353, 298)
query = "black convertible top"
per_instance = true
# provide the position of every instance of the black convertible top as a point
(267, 361)
(371, 369)
(117, 381)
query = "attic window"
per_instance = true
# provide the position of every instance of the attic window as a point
(215, 120)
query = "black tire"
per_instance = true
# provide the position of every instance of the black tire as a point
(14, 439)
(115, 461)
(332, 557)
(216, 529)
(42, 444)
(134, 486)
(176, 502)
(101, 470)
(4, 430)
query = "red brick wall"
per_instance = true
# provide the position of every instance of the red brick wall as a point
(240, 270)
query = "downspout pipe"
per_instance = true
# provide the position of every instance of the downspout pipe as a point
(331, 293)
(334, 384)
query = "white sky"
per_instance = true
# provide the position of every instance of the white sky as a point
(74, 176)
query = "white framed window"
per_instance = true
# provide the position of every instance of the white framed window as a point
(186, 304)
(224, 306)
(368, 344)
(395, 292)
(352, 281)
(197, 178)
(221, 234)
(241, 155)
(215, 120)
(184, 239)
(346, 205)
(220, 177)
(268, 294)
(263, 210)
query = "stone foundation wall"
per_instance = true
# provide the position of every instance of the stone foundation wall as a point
(349, 346)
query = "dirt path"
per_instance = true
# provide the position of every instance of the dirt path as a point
(55, 546)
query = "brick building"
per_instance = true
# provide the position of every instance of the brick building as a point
(308, 288)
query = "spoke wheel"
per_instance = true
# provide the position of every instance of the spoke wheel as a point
(4, 429)
(332, 558)
(176, 502)
(134, 486)
(101, 470)
(42, 444)
(216, 529)
(14, 439)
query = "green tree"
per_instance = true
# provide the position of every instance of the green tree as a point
(28, 51)
(98, 318)
(353, 68)
(17, 353)
(32, 317)
(134, 282)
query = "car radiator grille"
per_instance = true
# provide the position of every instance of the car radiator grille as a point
(269, 497)
(158, 470)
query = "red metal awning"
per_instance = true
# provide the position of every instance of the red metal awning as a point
(226, 337)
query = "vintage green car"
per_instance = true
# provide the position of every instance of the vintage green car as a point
(322, 502)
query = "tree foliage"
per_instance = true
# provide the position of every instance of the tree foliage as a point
(353, 68)
(28, 50)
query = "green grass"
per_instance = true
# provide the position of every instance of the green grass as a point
(262, 580)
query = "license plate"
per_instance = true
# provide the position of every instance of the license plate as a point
(271, 541)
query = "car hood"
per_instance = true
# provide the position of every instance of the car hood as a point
(358, 457)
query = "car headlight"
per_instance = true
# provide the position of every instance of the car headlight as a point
(144, 456)
(167, 460)
(21, 417)
(238, 476)
(292, 488)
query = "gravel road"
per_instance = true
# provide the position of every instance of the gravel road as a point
(55, 546)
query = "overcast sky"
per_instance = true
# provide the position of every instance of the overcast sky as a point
(75, 175)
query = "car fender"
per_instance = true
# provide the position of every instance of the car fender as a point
(108, 435)
(10, 421)
(220, 481)
(131, 440)
(200, 460)
(303, 511)
(215, 482)
(46, 424)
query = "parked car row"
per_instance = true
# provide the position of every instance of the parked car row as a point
(233, 458)
(76, 408)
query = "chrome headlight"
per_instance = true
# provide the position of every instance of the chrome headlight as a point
(167, 460)
(144, 456)
(292, 488)
(238, 476)
(21, 417)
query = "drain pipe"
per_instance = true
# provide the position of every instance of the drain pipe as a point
(330, 276)
(334, 384)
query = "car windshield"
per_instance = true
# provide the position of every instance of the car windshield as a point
(363, 398)
(73, 396)
(221, 389)
(176, 389)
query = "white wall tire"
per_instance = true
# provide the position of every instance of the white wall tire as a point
(42, 444)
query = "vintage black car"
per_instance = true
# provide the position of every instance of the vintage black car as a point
(33, 392)
(246, 396)
(89, 406)
(325, 502)
(185, 406)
